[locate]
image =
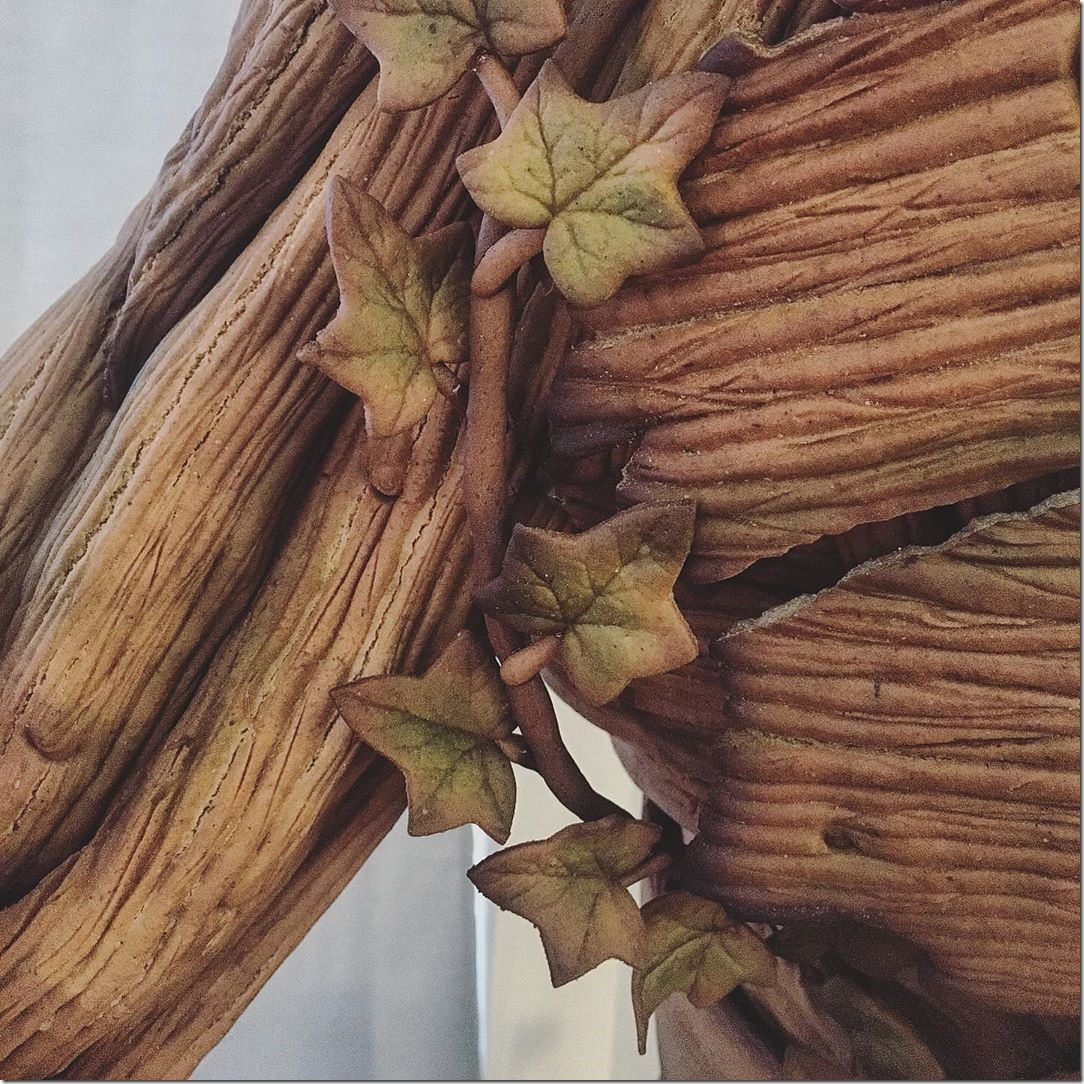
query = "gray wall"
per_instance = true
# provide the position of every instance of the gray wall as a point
(383, 986)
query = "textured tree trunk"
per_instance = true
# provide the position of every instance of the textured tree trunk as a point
(869, 385)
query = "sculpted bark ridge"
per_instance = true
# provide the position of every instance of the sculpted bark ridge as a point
(878, 331)
(936, 750)
(882, 312)
(227, 421)
(234, 801)
(51, 409)
(331, 607)
(292, 72)
(697, 356)
(287, 76)
(169, 1042)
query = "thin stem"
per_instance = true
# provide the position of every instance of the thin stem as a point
(538, 722)
(489, 233)
(486, 477)
(504, 258)
(517, 751)
(520, 667)
(485, 482)
(498, 85)
(672, 841)
(657, 863)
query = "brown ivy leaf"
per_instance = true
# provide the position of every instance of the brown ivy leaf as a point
(607, 593)
(695, 947)
(403, 309)
(570, 887)
(424, 46)
(601, 176)
(441, 730)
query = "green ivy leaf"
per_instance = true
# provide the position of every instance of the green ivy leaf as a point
(601, 176)
(403, 309)
(695, 947)
(441, 730)
(607, 593)
(424, 46)
(570, 887)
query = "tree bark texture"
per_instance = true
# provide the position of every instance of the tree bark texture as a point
(868, 384)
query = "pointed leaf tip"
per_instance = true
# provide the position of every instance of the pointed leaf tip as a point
(607, 593)
(693, 946)
(425, 46)
(601, 176)
(570, 887)
(442, 731)
(403, 309)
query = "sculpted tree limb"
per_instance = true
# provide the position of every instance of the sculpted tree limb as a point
(936, 751)
(288, 75)
(880, 315)
(873, 349)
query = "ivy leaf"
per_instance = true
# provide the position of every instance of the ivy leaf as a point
(606, 593)
(695, 947)
(570, 887)
(441, 730)
(601, 176)
(403, 310)
(424, 46)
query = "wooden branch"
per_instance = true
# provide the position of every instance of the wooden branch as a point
(171, 1040)
(953, 741)
(365, 584)
(284, 84)
(388, 597)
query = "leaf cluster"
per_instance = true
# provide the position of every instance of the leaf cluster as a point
(594, 187)
(599, 180)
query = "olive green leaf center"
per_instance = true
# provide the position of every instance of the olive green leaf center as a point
(403, 310)
(424, 46)
(600, 177)
(442, 730)
(607, 593)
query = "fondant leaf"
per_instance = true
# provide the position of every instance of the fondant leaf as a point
(695, 947)
(424, 46)
(403, 309)
(601, 176)
(607, 593)
(571, 887)
(441, 730)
